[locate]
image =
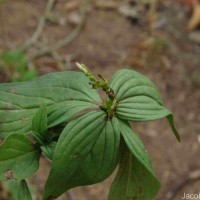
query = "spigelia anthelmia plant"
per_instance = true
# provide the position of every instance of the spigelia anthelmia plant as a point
(61, 116)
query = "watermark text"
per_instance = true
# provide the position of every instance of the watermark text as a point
(191, 196)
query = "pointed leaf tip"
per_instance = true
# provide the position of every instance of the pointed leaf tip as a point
(170, 119)
(24, 192)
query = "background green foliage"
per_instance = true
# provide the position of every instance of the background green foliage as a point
(16, 67)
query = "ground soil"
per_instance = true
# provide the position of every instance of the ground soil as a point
(110, 41)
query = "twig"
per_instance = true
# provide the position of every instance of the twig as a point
(63, 42)
(152, 15)
(153, 7)
(55, 55)
(40, 26)
(70, 195)
(192, 177)
(58, 59)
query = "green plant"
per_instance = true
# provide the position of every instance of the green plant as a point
(15, 66)
(84, 137)
(18, 189)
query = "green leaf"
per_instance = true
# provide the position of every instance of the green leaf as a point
(27, 74)
(87, 152)
(170, 119)
(39, 124)
(12, 57)
(64, 93)
(135, 178)
(137, 97)
(102, 159)
(12, 187)
(19, 158)
(24, 193)
(49, 149)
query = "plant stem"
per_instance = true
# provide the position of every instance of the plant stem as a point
(110, 105)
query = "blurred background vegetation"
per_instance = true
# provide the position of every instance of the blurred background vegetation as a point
(159, 38)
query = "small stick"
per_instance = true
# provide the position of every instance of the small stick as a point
(63, 42)
(70, 195)
(40, 26)
(192, 177)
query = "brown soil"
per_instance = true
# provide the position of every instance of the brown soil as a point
(108, 42)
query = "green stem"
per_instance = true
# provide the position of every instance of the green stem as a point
(110, 105)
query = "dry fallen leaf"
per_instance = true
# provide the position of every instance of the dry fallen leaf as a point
(71, 5)
(195, 19)
(189, 3)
